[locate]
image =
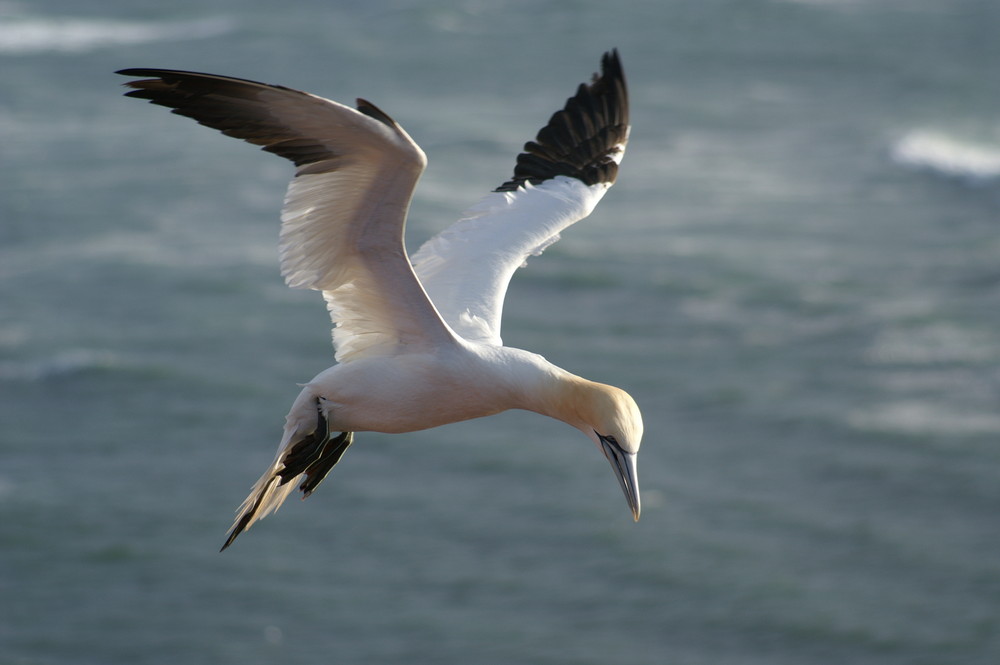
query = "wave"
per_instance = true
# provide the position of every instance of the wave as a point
(927, 418)
(945, 155)
(69, 362)
(32, 35)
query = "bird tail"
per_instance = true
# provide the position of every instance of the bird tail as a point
(310, 454)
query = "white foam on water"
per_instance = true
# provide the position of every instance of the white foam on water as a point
(26, 35)
(69, 362)
(924, 417)
(932, 344)
(937, 152)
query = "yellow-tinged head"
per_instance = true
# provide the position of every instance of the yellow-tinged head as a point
(612, 412)
(611, 418)
(607, 415)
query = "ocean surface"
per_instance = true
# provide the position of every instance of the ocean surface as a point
(797, 276)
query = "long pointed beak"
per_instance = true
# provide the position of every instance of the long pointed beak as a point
(623, 464)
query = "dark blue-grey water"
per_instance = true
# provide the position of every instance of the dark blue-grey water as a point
(797, 276)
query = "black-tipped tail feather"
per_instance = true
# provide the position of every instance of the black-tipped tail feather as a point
(313, 456)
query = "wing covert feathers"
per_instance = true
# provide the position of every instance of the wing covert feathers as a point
(558, 180)
(345, 210)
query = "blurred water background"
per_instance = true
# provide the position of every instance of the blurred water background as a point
(797, 276)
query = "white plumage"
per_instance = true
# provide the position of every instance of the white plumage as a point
(465, 269)
(417, 343)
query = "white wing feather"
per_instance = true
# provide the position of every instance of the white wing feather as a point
(342, 233)
(344, 213)
(557, 181)
(466, 268)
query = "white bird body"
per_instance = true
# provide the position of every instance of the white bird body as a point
(410, 391)
(416, 391)
(417, 343)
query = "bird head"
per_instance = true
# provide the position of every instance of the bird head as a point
(611, 418)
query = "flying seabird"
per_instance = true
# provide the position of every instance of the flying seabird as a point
(417, 339)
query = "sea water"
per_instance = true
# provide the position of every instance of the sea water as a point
(797, 276)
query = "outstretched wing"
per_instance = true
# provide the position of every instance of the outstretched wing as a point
(557, 180)
(344, 213)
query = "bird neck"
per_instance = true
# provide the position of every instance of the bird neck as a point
(552, 391)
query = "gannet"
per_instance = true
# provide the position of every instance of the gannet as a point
(417, 341)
